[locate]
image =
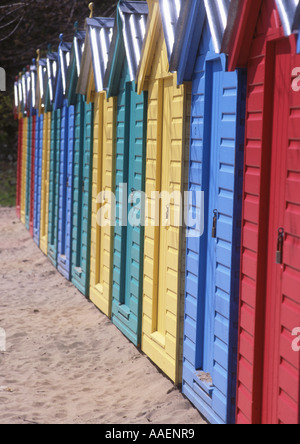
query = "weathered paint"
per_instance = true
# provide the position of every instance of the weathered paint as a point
(166, 170)
(24, 167)
(45, 184)
(38, 178)
(54, 185)
(268, 369)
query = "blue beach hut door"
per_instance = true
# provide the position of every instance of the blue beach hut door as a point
(212, 288)
(65, 190)
(38, 177)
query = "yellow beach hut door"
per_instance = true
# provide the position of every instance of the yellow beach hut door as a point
(167, 157)
(167, 88)
(101, 237)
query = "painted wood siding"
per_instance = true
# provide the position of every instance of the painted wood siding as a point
(32, 179)
(129, 240)
(66, 190)
(81, 231)
(45, 184)
(164, 264)
(24, 167)
(213, 265)
(54, 186)
(28, 173)
(255, 217)
(281, 383)
(103, 180)
(38, 178)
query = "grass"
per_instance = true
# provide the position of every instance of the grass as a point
(7, 184)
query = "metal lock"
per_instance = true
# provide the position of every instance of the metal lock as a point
(214, 228)
(279, 251)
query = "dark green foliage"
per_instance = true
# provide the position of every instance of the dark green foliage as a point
(26, 25)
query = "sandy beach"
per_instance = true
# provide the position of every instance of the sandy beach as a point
(64, 361)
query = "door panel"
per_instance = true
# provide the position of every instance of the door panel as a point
(102, 178)
(38, 177)
(54, 185)
(45, 184)
(24, 166)
(32, 180)
(282, 364)
(166, 185)
(28, 172)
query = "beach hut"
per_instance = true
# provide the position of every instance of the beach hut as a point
(216, 166)
(18, 105)
(39, 132)
(33, 83)
(31, 70)
(260, 37)
(82, 169)
(100, 32)
(128, 248)
(24, 145)
(44, 214)
(28, 154)
(66, 161)
(167, 155)
(52, 72)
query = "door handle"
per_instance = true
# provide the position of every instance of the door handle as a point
(214, 228)
(280, 241)
(131, 197)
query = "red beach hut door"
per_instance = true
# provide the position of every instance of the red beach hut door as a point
(280, 403)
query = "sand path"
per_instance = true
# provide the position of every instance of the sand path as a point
(65, 362)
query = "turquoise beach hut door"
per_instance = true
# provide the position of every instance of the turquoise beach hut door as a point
(82, 195)
(125, 52)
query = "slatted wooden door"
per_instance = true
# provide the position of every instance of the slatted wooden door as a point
(212, 290)
(45, 184)
(65, 190)
(81, 232)
(164, 248)
(32, 180)
(281, 378)
(103, 177)
(28, 173)
(54, 185)
(24, 169)
(38, 178)
(19, 168)
(128, 242)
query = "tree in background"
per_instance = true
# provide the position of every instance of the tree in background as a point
(26, 25)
